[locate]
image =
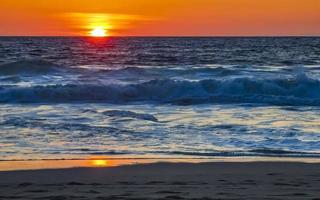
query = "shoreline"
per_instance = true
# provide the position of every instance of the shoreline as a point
(106, 162)
(196, 181)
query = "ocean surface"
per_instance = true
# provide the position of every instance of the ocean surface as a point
(63, 98)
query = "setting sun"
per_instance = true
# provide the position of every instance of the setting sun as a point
(98, 32)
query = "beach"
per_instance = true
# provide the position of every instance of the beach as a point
(159, 118)
(214, 180)
(160, 100)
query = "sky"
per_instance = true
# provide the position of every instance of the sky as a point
(160, 17)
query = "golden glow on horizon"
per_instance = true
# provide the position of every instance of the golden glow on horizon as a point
(99, 24)
(98, 32)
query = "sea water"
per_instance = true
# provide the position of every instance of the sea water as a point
(78, 97)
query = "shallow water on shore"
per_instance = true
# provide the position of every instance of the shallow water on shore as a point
(78, 131)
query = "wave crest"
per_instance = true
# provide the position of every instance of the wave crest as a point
(300, 90)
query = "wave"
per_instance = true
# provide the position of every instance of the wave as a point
(299, 90)
(28, 67)
(42, 67)
(254, 152)
(130, 114)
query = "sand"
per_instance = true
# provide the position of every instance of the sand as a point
(203, 181)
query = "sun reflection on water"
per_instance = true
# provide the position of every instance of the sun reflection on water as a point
(99, 163)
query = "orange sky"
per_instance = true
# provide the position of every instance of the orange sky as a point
(161, 17)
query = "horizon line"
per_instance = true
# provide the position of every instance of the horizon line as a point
(168, 36)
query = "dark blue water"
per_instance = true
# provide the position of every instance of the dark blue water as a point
(78, 97)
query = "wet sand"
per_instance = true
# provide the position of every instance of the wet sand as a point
(203, 181)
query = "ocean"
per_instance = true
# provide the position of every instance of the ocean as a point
(81, 97)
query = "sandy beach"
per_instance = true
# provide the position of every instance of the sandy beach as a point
(218, 180)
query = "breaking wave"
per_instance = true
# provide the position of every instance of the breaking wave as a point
(299, 90)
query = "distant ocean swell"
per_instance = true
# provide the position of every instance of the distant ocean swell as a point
(28, 67)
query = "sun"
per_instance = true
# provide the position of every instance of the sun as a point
(98, 32)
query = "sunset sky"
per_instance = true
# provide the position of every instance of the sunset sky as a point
(160, 17)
